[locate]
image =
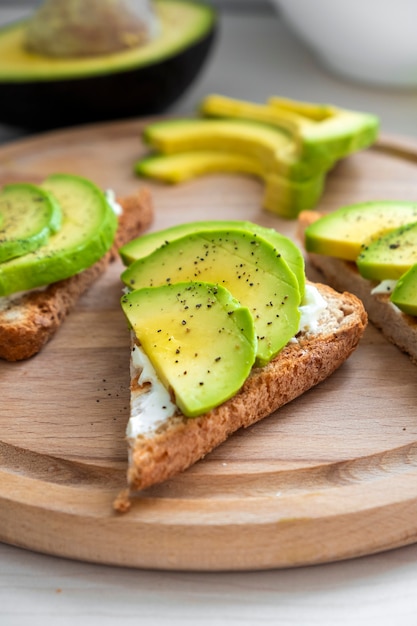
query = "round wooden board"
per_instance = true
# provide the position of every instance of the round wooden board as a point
(330, 476)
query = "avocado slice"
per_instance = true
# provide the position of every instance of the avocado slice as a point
(140, 247)
(323, 132)
(183, 166)
(199, 339)
(287, 198)
(39, 92)
(345, 232)
(404, 295)
(29, 215)
(282, 196)
(324, 128)
(87, 232)
(272, 147)
(247, 265)
(391, 255)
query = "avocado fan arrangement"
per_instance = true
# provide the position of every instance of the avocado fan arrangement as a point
(290, 146)
(74, 62)
(51, 231)
(207, 301)
(380, 238)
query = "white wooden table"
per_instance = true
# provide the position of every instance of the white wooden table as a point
(255, 57)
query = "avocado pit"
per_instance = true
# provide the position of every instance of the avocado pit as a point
(75, 28)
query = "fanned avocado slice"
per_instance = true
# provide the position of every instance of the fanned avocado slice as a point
(345, 232)
(391, 255)
(87, 232)
(246, 265)
(404, 295)
(282, 196)
(148, 243)
(273, 147)
(199, 339)
(323, 133)
(29, 215)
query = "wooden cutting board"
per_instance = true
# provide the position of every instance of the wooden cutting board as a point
(332, 475)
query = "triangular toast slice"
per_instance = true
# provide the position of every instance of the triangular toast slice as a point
(159, 452)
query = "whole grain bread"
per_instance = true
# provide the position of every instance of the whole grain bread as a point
(306, 361)
(28, 320)
(397, 327)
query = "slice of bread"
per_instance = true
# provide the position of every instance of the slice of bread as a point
(397, 327)
(306, 361)
(28, 320)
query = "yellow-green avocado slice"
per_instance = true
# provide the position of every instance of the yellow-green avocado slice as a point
(144, 245)
(248, 266)
(404, 295)
(29, 215)
(274, 148)
(345, 232)
(199, 339)
(282, 195)
(323, 132)
(390, 256)
(88, 228)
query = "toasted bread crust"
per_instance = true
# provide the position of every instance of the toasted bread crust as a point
(299, 366)
(397, 327)
(28, 322)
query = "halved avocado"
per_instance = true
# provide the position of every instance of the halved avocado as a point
(40, 92)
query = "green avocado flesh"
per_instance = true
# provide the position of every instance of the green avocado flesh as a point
(199, 339)
(345, 232)
(404, 295)
(181, 24)
(273, 148)
(290, 146)
(177, 168)
(87, 232)
(324, 133)
(248, 266)
(282, 195)
(144, 245)
(29, 215)
(389, 256)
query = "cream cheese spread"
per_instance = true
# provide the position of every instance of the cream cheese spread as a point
(152, 407)
(311, 309)
(385, 286)
(111, 200)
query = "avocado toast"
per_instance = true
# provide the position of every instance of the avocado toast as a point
(200, 370)
(39, 289)
(370, 249)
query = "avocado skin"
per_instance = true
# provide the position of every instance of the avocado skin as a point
(152, 89)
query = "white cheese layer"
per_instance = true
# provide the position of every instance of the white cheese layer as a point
(112, 202)
(311, 309)
(385, 286)
(151, 408)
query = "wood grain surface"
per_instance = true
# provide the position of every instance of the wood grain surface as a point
(330, 476)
